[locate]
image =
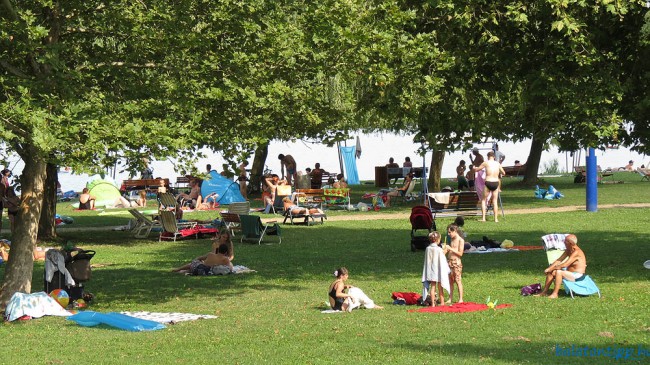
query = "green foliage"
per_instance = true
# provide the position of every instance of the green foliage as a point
(552, 167)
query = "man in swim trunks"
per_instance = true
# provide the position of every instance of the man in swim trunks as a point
(287, 162)
(492, 184)
(571, 269)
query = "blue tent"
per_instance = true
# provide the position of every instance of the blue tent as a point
(227, 190)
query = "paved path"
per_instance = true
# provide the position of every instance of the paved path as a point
(398, 215)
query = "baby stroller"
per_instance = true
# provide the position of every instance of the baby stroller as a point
(421, 218)
(67, 270)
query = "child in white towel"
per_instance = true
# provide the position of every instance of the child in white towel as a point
(436, 270)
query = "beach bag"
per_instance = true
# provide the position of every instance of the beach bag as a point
(531, 289)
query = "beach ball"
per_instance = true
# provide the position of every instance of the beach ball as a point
(80, 303)
(61, 296)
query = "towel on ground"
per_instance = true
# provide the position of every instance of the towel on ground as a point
(554, 241)
(436, 267)
(168, 318)
(459, 308)
(440, 198)
(35, 305)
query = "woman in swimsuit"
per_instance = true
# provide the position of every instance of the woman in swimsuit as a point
(336, 292)
(86, 201)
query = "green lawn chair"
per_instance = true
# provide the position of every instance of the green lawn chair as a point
(253, 228)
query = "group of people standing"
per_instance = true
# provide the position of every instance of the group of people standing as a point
(484, 177)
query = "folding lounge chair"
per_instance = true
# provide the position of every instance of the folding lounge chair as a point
(253, 228)
(407, 194)
(231, 221)
(645, 173)
(143, 225)
(306, 217)
(554, 247)
(240, 207)
(172, 229)
(583, 286)
(167, 201)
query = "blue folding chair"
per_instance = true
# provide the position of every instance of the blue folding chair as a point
(583, 286)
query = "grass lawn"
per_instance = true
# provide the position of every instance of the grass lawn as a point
(273, 316)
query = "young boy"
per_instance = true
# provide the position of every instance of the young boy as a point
(436, 270)
(454, 251)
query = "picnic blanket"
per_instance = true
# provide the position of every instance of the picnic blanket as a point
(490, 250)
(459, 308)
(34, 305)
(168, 318)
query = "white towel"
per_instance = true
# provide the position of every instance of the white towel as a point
(554, 241)
(441, 198)
(436, 267)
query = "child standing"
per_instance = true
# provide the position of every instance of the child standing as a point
(455, 250)
(436, 270)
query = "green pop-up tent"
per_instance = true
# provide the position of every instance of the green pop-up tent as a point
(104, 191)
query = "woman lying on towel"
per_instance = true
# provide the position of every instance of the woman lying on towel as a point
(224, 239)
(219, 257)
(296, 210)
(354, 298)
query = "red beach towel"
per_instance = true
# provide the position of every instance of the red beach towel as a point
(459, 308)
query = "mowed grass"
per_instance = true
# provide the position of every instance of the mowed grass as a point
(273, 316)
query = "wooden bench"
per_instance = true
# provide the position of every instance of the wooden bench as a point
(461, 203)
(182, 182)
(515, 170)
(309, 196)
(143, 184)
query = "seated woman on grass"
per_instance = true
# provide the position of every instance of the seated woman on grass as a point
(296, 210)
(86, 201)
(354, 298)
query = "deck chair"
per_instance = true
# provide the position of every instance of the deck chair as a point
(307, 218)
(167, 201)
(554, 247)
(240, 207)
(143, 225)
(583, 286)
(230, 221)
(645, 174)
(253, 228)
(407, 194)
(173, 230)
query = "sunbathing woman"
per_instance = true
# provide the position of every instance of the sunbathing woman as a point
(400, 191)
(296, 210)
(225, 239)
(219, 257)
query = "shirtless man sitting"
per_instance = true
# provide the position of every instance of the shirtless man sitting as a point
(571, 269)
(219, 257)
(492, 184)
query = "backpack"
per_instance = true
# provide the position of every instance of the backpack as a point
(531, 289)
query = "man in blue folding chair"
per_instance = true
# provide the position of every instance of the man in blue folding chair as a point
(570, 266)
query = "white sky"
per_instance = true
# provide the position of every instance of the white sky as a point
(376, 149)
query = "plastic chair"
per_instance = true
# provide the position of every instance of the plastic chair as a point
(583, 286)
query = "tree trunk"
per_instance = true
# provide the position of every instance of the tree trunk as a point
(435, 171)
(534, 157)
(18, 272)
(47, 224)
(257, 169)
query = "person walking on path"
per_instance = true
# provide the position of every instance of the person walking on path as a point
(492, 184)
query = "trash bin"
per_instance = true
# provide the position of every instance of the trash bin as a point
(381, 176)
